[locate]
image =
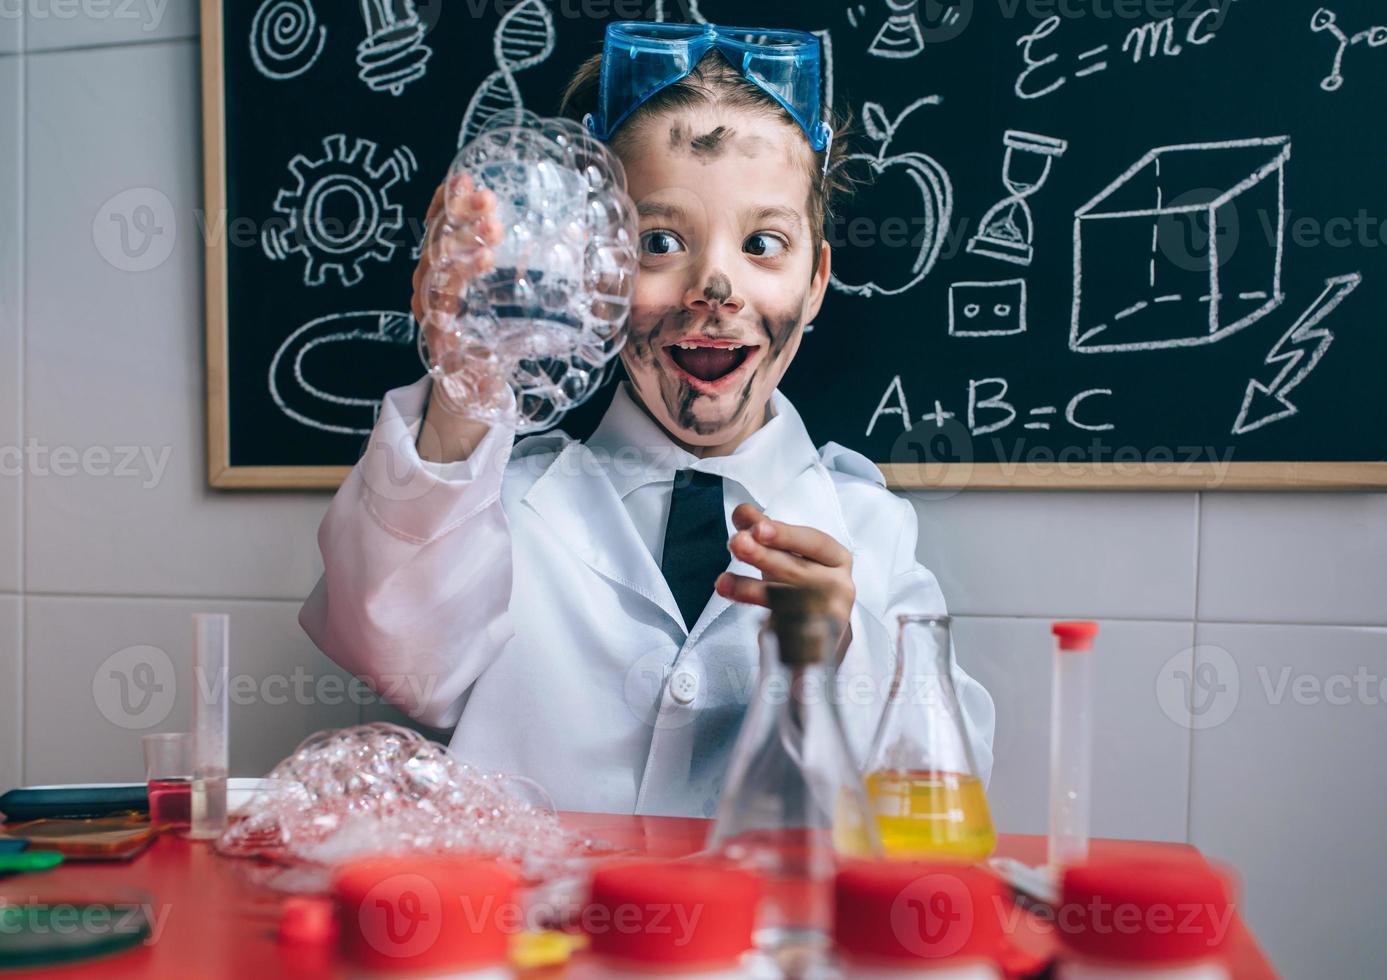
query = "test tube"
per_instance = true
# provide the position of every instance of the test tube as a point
(210, 639)
(1071, 742)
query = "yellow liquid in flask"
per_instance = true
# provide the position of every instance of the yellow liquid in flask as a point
(931, 814)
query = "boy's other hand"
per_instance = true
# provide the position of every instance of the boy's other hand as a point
(794, 555)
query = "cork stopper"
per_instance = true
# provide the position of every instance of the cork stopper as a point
(800, 619)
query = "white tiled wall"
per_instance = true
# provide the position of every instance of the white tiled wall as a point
(1223, 591)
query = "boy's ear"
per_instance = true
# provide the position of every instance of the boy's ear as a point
(818, 285)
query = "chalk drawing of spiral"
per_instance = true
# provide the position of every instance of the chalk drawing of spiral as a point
(524, 38)
(286, 38)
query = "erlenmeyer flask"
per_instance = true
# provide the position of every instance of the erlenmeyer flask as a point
(922, 782)
(794, 801)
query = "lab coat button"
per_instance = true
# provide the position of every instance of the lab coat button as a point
(683, 686)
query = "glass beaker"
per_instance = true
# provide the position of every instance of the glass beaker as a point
(922, 781)
(168, 767)
(794, 801)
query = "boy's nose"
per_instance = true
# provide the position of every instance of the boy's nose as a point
(713, 293)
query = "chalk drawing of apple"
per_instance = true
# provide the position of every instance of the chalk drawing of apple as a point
(891, 236)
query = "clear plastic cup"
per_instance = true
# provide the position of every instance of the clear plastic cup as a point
(168, 767)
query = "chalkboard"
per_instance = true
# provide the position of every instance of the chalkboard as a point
(1118, 243)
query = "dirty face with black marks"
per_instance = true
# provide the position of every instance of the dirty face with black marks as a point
(730, 271)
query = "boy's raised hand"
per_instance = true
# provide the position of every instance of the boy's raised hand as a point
(462, 229)
(794, 555)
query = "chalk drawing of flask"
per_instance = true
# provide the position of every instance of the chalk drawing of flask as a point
(524, 38)
(1007, 229)
(394, 53)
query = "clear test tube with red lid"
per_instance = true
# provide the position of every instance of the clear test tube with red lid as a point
(1071, 742)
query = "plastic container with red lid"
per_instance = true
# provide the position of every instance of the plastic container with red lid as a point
(427, 914)
(915, 918)
(1155, 914)
(649, 918)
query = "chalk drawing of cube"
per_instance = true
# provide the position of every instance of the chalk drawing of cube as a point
(1183, 249)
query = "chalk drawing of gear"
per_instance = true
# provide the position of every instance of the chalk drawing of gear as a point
(339, 210)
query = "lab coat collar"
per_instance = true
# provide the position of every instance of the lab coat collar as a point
(635, 451)
(576, 500)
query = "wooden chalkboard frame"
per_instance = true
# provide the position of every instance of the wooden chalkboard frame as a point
(1288, 475)
(220, 473)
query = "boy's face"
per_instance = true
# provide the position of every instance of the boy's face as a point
(729, 270)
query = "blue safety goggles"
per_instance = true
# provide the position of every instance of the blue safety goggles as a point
(639, 58)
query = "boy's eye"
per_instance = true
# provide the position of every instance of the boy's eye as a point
(764, 245)
(660, 243)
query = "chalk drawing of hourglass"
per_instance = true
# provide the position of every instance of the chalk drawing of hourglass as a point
(1007, 228)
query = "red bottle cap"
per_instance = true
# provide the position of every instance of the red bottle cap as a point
(671, 912)
(1075, 635)
(1157, 907)
(307, 919)
(425, 912)
(916, 911)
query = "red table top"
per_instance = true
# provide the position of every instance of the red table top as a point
(213, 921)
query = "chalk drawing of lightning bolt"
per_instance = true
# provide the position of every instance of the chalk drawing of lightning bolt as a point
(1264, 404)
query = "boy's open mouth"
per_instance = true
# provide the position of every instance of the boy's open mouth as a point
(707, 362)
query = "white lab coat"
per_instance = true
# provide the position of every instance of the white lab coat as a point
(514, 596)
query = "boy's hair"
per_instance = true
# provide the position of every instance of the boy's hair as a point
(715, 82)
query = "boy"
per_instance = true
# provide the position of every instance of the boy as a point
(569, 606)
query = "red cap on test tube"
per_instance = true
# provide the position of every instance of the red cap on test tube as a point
(918, 912)
(673, 913)
(425, 912)
(1075, 635)
(1148, 906)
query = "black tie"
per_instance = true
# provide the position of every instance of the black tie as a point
(695, 541)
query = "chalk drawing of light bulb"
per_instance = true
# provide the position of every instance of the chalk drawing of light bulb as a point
(900, 253)
(524, 38)
(1007, 229)
(393, 53)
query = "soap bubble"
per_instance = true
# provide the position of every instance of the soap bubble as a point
(541, 329)
(380, 789)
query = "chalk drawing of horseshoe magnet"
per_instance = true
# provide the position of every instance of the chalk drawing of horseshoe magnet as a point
(312, 404)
